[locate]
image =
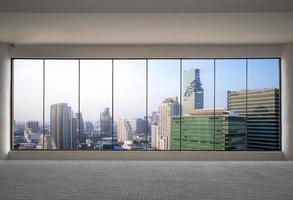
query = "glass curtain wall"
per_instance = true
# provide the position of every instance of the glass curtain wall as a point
(146, 104)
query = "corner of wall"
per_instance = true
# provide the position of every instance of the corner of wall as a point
(5, 93)
(287, 101)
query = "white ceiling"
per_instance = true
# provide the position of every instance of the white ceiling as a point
(145, 6)
(138, 21)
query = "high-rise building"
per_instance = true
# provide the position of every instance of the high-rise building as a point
(77, 128)
(106, 123)
(209, 129)
(193, 92)
(124, 131)
(89, 128)
(138, 125)
(33, 126)
(168, 108)
(61, 126)
(154, 135)
(262, 109)
(154, 118)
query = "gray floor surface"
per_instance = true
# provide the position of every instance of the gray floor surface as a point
(145, 180)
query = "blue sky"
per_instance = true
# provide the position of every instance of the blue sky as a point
(129, 84)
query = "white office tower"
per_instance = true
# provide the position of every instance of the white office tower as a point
(124, 131)
(154, 135)
(168, 108)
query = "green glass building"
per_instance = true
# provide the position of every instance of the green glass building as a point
(209, 131)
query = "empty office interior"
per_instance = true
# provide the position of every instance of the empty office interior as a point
(176, 104)
(146, 99)
(210, 81)
(89, 91)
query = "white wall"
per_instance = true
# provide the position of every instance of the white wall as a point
(287, 102)
(4, 101)
(146, 51)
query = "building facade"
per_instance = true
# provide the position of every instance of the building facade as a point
(154, 135)
(124, 131)
(262, 109)
(193, 92)
(77, 129)
(33, 126)
(61, 126)
(106, 123)
(168, 108)
(209, 129)
(138, 125)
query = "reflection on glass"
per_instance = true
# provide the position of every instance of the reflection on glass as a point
(230, 101)
(96, 104)
(197, 121)
(163, 101)
(61, 104)
(263, 100)
(130, 104)
(28, 104)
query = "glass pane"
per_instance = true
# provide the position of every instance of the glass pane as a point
(263, 128)
(163, 102)
(28, 104)
(61, 100)
(230, 101)
(197, 122)
(96, 104)
(130, 104)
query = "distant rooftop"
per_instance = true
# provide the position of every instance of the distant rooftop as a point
(254, 90)
(211, 111)
(171, 100)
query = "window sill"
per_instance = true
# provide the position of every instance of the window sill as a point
(148, 155)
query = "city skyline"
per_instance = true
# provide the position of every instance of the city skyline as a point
(94, 96)
(132, 94)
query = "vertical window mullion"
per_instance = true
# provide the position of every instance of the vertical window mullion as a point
(180, 91)
(113, 126)
(146, 105)
(79, 113)
(44, 82)
(214, 104)
(12, 106)
(246, 109)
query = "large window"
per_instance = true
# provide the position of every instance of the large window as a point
(129, 93)
(198, 106)
(146, 104)
(95, 104)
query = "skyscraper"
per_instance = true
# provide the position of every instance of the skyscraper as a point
(262, 109)
(89, 128)
(124, 131)
(33, 126)
(168, 108)
(209, 129)
(155, 118)
(61, 126)
(138, 125)
(77, 129)
(193, 92)
(154, 135)
(106, 123)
